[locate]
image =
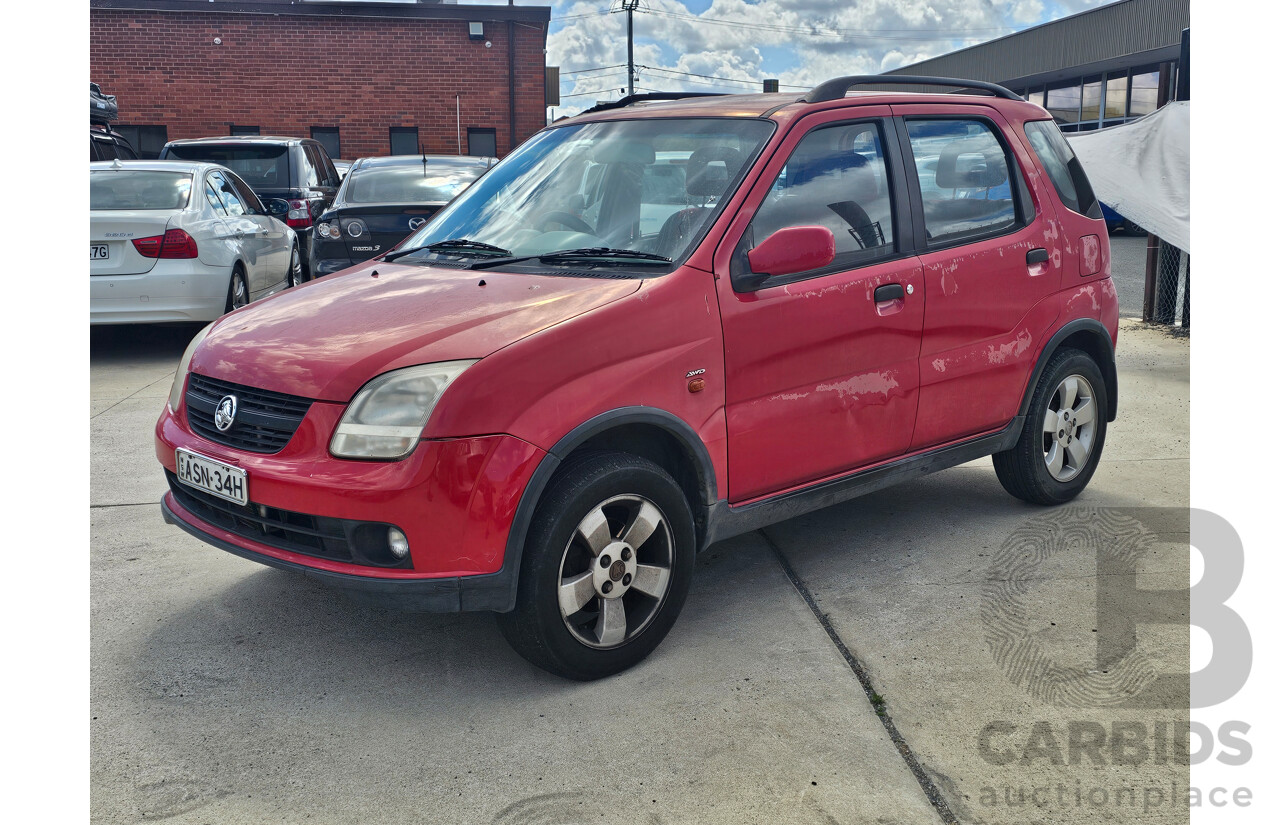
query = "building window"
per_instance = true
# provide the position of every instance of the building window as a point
(147, 141)
(1091, 100)
(404, 140)
(245, 130)
(1117, 95)
(328, 138)
(482, 142)
(1064, 103)
(1144, 91)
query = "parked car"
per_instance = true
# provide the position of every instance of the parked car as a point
(107, 144)
(297, 170)
(536, 407)
(1119, 223)
(172, 241)
(382, 200)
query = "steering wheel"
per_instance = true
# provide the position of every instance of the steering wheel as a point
(564, 219)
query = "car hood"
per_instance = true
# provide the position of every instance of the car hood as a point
(325, 339)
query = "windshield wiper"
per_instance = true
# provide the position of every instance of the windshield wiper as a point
(607, 255)
(452, 245)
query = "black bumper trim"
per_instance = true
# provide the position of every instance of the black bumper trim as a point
(490, 591)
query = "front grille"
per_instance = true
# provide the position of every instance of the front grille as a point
(264, 422)
(358, 542)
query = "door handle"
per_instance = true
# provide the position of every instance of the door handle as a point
(1037, 256)
(890, 292)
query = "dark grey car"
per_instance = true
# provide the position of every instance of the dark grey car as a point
(384, 199)
(297, 170)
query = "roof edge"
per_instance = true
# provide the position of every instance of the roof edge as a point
(395, 11)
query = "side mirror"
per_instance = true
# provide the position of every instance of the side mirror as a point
(790, 250)
(276, 207)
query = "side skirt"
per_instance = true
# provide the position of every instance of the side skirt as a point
(725, 521)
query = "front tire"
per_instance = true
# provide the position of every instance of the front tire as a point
(606, 567)
(1062, 437)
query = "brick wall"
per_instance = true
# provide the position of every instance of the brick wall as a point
(286, 74)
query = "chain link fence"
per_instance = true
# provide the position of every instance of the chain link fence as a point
(1168, 298)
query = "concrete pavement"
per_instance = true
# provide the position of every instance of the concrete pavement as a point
(223, 691)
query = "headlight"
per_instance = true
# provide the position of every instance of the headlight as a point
(386, 417)
(180, 377)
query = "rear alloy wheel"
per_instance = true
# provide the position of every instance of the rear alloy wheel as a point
(295, 268)
(238, 292)
(1062, 437)
(606, 567)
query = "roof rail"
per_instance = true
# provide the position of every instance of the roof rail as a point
(645, 98)
(837, 88)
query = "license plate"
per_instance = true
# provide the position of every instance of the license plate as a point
(214, 477)
(99, 252)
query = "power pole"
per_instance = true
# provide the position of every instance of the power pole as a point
(629, 6)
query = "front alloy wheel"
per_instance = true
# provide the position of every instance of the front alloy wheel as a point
(607, 595)
(606, 567)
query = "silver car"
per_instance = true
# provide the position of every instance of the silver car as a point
(181, 241)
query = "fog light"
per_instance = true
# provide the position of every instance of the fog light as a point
(398, 543)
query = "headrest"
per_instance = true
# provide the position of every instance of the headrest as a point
(709, 169)
(623, 151)
(977, 163)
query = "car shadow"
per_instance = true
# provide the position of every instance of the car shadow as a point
(120, 344)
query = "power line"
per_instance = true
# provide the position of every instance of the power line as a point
(596, 69)
(811, 30)
(748, 81)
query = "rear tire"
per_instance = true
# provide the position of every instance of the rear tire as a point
(238, 290)
(606, 567)
(1063, 435)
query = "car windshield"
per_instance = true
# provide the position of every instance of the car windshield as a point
(262, 167)
(138, 189)
(433, 182)
(651, 186)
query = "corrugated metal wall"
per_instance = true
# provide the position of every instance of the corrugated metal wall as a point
(1123, 28)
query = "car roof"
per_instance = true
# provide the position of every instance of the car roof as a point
(789, 105)
(239, 139)
(154, 165)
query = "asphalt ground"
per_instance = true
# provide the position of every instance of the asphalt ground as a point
(901, 658)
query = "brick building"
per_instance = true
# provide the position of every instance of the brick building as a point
(364, 78)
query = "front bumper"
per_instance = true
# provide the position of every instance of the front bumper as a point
(455, 500)
(328, 266)
(449, 594)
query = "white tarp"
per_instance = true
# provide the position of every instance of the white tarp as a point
(1143, 170)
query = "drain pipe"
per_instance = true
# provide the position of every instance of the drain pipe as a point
(458, 115)
(511, 84)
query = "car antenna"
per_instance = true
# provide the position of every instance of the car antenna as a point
(424, 159)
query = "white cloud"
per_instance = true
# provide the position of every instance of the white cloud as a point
(800, 42)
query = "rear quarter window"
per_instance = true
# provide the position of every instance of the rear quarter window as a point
(1063, 167)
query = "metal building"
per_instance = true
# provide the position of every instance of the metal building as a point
(1098, 68)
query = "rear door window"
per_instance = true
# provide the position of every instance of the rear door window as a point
(964, 177)
(312, 169)
(235, 206)
(211, 195)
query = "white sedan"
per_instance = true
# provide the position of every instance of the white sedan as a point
(178, 241)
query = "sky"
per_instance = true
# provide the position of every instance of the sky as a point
(732, 45)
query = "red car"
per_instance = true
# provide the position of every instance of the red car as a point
(650, 328)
